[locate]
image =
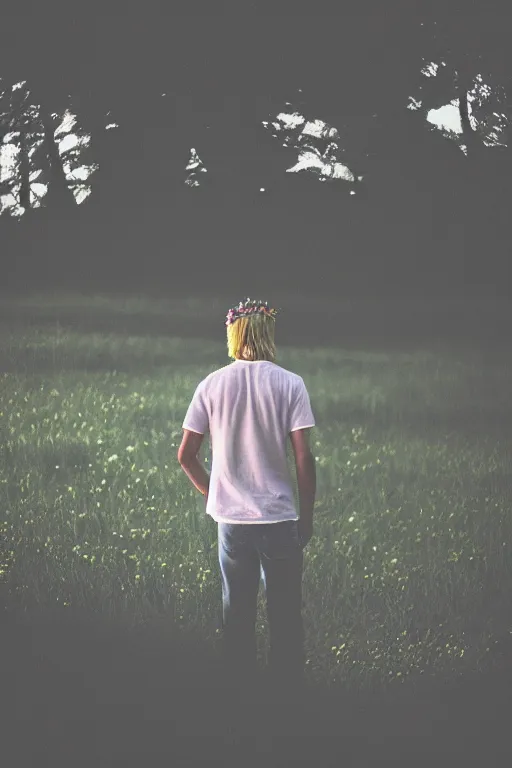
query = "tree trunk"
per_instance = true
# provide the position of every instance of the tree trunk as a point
(470, 138)
(59, 193)
(465, 81)
(24, 196)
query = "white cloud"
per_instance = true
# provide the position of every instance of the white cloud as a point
(69, 141)
(292, 120)
(82, 172)
(309, 160)
(8, 137)
(81, 194)
(67, 124)
(8, 161)
(447, 117)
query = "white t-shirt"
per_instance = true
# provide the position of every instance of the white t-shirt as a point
(249, 408)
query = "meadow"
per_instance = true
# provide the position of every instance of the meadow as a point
(409, 571)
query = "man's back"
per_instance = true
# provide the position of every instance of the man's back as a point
(250, 407)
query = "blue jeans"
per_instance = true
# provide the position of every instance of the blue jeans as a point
(273, 550)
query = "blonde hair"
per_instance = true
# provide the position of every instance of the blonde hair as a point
(252, 336)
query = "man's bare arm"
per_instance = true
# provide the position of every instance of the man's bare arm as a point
(306, 471)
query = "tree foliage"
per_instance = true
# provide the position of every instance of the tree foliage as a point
(308, 133)
(40, 150)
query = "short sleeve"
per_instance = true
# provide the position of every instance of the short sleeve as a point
(196, 418)
(301, 415)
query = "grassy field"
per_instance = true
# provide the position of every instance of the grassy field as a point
(409, 572)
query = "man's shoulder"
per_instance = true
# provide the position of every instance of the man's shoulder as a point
(216, 373)
(291, 375)
(213, 376)
(230, 370)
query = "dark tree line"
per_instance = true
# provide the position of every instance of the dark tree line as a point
(424, 213)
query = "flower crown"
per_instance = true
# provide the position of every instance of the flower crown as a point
(248, 308)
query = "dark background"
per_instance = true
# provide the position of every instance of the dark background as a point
(426, 219)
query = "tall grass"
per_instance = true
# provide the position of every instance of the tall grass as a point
(409, 569)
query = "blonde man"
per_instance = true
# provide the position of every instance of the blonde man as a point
(251, 407)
